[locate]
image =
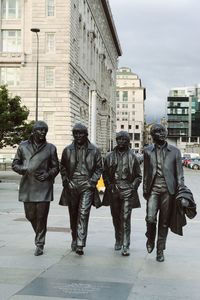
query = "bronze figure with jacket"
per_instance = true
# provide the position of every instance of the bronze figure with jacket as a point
(122, 177)
(37, 161)
(180, 212)
(163, 176)
(81, 168)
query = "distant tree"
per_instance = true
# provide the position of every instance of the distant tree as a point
(13, 119)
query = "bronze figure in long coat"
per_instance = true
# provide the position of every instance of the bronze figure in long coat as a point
(122, 177)
(163, 177)
(81, 168)
(37, 161)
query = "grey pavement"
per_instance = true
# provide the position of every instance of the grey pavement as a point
(101, 273)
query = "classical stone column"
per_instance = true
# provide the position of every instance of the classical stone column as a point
(93, 116)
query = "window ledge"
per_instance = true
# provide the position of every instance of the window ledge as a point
(12, 57)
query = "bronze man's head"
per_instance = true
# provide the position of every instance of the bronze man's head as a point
(80, 133)
(123, 140)
(39, 132)
(158, 133)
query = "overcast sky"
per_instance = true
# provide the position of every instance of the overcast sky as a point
(160, 40)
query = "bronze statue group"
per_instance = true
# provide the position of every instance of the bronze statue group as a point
(81, 167)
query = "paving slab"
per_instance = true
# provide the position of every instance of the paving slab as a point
(101, 273)
(79, 289)
(28, 297)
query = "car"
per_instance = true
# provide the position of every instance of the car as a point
(182, 159)
(188, 161)
(195, 164)
(191, 155)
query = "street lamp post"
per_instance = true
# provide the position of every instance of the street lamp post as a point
(36, 30)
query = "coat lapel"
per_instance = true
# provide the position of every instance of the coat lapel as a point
(153, 156)
(165, 152)
(130, 162)
(39, 149)
(72, 158)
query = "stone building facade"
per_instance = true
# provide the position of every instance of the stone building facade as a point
(78, 55)
(130, 106)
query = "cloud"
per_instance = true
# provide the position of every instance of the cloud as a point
(160, 42)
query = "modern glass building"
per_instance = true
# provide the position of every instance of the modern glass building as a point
(183, 113)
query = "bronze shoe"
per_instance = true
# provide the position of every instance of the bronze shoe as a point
(73, 246)
(38, 251)
(160, 256)
(79, 250)
(125, 251)
(150, 246)
(118, 246)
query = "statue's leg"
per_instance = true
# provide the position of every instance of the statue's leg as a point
(83, 216)
(126, 227)
(151, 220)
(42, 210)
(73, 207)
(116, 212)
(164, 216)
(30, 213)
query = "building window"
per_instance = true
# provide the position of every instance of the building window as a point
(11, 40)
(129, 126)
(124, 105)
(136, 136)
(185, 139)
(137, 145)
(136, 126)
(185, 111)
(125, 95)
(193, 139)
(50, 7)
(11, 9)
(133, 105)
(10, 76)
(48, 117)
(179, 111)
(122, 126)
(49, 77)
(50, 42)
(117, 96)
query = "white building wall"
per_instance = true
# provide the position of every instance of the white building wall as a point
(130, 109)
(84, 60)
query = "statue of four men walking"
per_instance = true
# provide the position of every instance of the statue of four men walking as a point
(81, 168)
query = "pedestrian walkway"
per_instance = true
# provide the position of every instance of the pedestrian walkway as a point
(102, 273)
